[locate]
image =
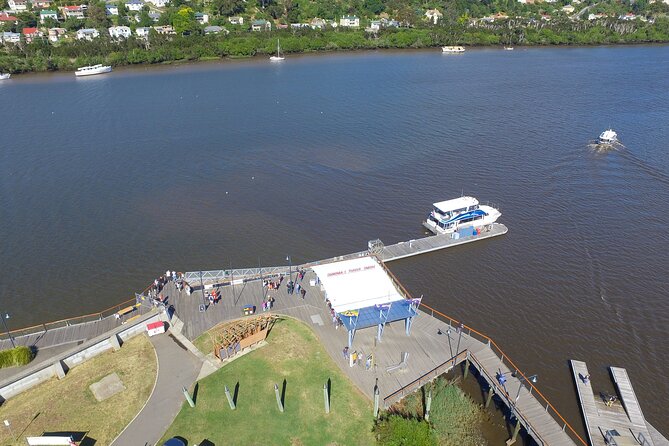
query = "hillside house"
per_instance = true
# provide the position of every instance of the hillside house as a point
(47, 14)
(9, 37)
(134, 5)
(41, 4)
(201, 18)
(214, 29)
(76, 12)
(55, 34)
(18, 5)
(88, 34)
(261, 25)
(143, 32)
(31, 34)
(111, 9)
(6, 19)
(349, 21)
(236, 20)
(119, 32)
(159, 3)
(433, 15)
(166, 29)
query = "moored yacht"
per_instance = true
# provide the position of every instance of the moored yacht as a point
(464, 212)
(452, 49)
(5, 76)
(93, 69)
(607, 137)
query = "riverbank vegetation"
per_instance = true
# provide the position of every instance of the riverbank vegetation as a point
(293, 356)
(58, 405)
(455, 419)
(16, 357)
(182, 33)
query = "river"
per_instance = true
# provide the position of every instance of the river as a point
(107, 181)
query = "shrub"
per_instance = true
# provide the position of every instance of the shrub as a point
(396, 430)
(18, 356)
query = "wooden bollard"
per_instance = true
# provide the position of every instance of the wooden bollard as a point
(376, 401)
(491, 392)
(428, 404)
(230, 400)
(326, 398)
(278, 397)
(188, 397)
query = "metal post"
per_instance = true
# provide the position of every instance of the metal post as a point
(278, 397)
(514, 437)
(326, 398)
(491, 392)
(204, 299)
(428, 405)
(188, 397)
(230, 401)
(457, 349)
(466, 368)
(6, 316)
(376, 401)
(290, 268)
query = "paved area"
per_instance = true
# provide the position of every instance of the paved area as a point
(177, 368)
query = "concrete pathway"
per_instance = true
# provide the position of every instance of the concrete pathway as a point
(177, 368)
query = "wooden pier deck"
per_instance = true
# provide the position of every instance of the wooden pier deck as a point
(624, 416)
(430, 353)
(434, 243)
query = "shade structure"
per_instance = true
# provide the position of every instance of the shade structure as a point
(355, 284)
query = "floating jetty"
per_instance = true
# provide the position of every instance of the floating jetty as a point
(613, 420)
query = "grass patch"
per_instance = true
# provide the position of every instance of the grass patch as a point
(16, 356)
(69, 405)
(455, 418)
(294, 354)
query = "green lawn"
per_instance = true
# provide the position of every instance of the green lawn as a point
(293, 354)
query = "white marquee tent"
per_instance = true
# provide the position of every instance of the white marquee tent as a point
(356, 284)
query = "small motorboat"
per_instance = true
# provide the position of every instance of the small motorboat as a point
(4, 76)
(607, 137)
(452, 49)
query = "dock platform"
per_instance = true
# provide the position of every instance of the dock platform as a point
(618, 421)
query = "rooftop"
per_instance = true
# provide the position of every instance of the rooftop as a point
(456, 203)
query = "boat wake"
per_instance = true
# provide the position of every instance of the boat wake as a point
(601, 147)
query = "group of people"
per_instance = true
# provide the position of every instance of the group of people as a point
(336, 320)
(357, 358)
(267, 304)
(214, 297)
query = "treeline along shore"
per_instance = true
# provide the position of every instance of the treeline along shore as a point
(41, 56)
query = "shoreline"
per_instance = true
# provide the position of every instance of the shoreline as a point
(258, 58)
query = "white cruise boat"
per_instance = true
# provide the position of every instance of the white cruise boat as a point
(607, 137)
(452, 49)
(464, 212)
(4, 76)
(93, 69)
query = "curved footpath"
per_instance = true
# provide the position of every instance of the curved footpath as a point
(177, 368)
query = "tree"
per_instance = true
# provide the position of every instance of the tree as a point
(96, 16)
(184, 20)
(227, 7)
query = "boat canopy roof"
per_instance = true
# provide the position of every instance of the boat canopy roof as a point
(456, 203)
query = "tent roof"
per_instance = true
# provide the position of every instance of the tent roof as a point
(355, 284)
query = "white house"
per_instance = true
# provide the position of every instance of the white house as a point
(317, 23)
(143, 32)
(433, 15)
(41, 4)
(236, 20)
(111, 9)
(201, 18)
(120, 32)
(375, 25)
(9, 37)
(18, 5)
(349, 21)
(159, 3)
(55, 34)
(134, 5)
(88, 34)
(154, 16)
(568, 9)
(47, 14)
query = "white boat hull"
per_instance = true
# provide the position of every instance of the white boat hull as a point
(452, 49)
(5, 76)
(276, 58)
(101, 70)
